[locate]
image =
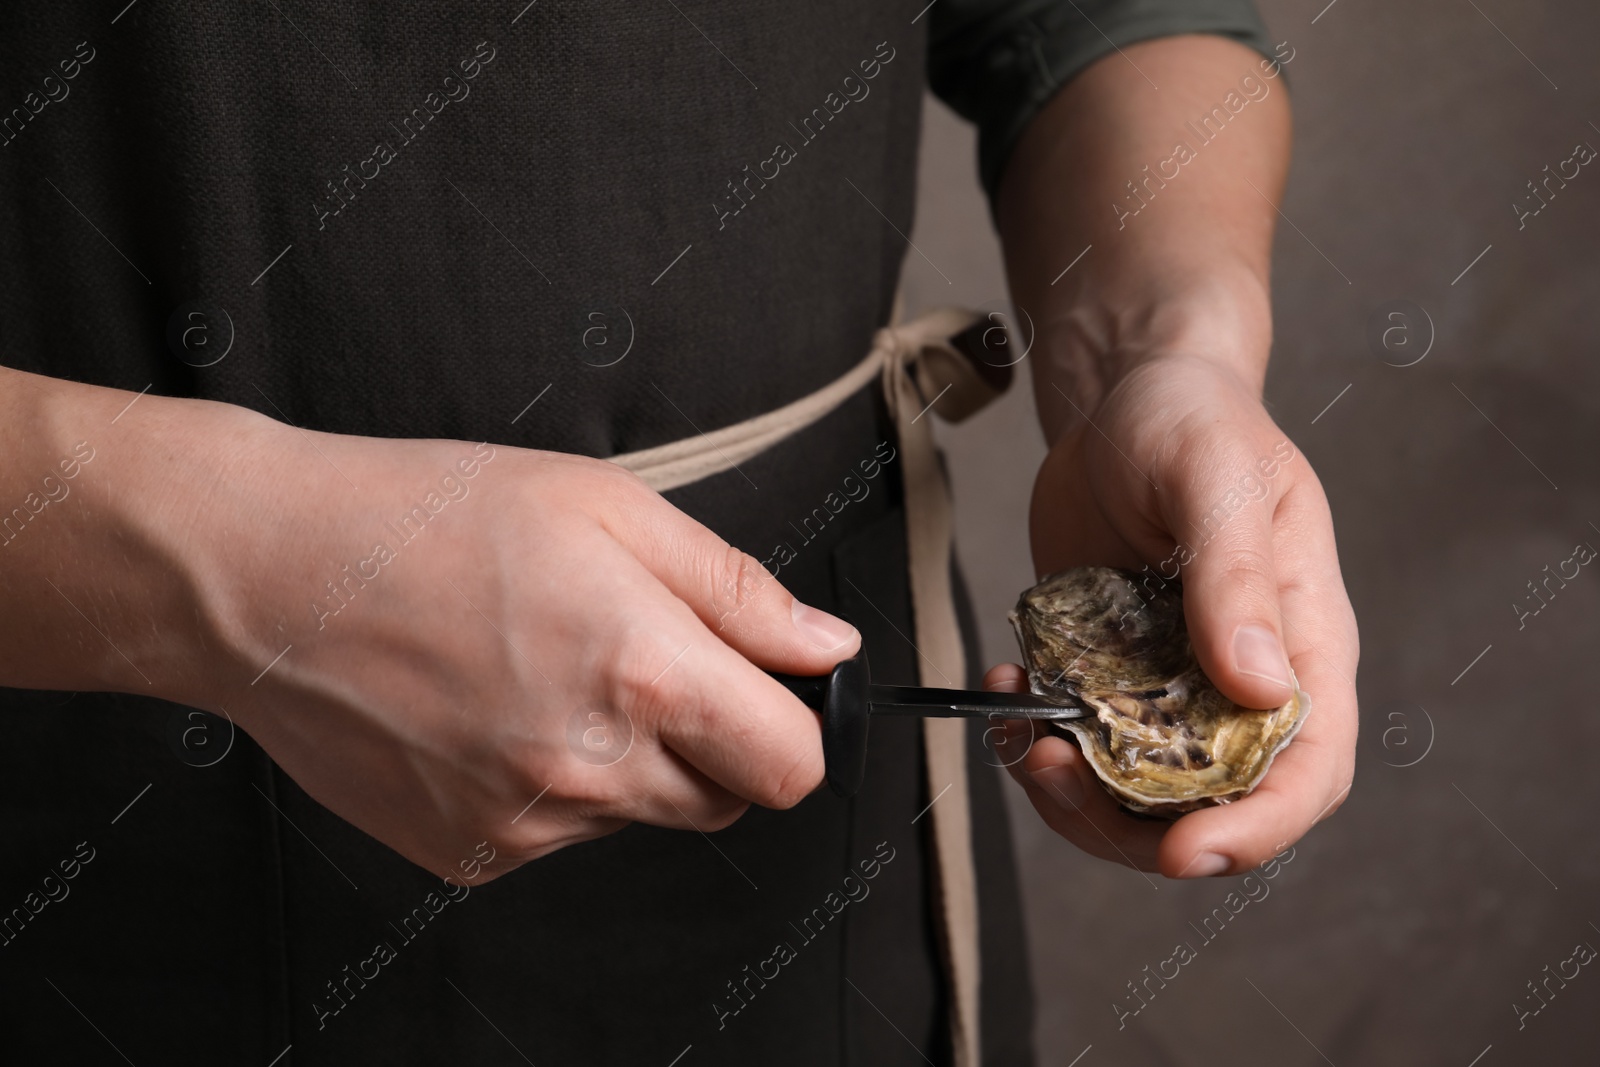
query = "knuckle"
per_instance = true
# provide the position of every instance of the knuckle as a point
(506, 853)
(723, 815)
(1245, 567)
(582, 788)
(533, 839)
(560, 467)
(602, 469)
(641, 689)
(621, 479)
(1243, 554)
(737, 581)
(605, 489)
(491, 875)
(637, 677)
(784, 786)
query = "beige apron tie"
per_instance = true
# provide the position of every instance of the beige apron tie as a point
(920, 372)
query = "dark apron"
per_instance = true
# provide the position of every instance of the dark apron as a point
(225, 916)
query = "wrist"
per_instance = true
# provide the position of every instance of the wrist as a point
(202, 510)
(1094, 337)
(116, 586)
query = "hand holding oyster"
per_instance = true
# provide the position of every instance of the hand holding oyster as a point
(1163, 740)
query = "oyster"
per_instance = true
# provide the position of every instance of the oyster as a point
(1163, 740)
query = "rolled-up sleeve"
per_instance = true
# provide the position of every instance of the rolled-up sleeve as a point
(998, 62)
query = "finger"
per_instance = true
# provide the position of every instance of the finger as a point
(610, 785)
(679, 682)
(1064, 789)
(736, 597)
(1310, 778)
(654, 784)
(740, 728)
(1293, 797)
(1006, 678)
(1230, 588)
(1007, 741)
(509, 859)
(1067, 524)
(1070, 798)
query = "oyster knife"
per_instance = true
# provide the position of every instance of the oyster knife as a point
(848, 698)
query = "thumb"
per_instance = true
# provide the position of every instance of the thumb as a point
(1230, 592)
(733, 594)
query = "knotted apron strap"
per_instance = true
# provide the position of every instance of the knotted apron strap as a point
(920, 371)
(688, 460)
(923, 369)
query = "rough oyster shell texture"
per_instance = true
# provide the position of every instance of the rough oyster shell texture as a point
(1163, 740)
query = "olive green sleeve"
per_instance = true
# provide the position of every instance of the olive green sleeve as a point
(998, 62)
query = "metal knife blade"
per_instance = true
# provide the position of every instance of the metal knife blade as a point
(848, 699)
(968, 703)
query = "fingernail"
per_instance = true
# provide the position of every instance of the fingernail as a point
(1256, 652)
(1065, 787)
(1205, 865)
(823, 630)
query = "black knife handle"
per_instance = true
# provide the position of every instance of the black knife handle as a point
(842, 698)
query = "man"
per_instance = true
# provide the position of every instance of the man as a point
(318, 316)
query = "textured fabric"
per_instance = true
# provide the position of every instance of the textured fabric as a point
(998, 62)
(574, 174)
(451, 220)
(600, 142)
(915, 381)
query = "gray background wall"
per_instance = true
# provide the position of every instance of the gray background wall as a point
(1407, 926)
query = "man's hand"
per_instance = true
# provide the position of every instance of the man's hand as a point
(443, 643)
(1148, 370)
(1182, 470)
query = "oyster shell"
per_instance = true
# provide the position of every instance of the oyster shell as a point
(1164, 740)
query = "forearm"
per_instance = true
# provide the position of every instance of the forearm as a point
(99, 502)
(1179, 238)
